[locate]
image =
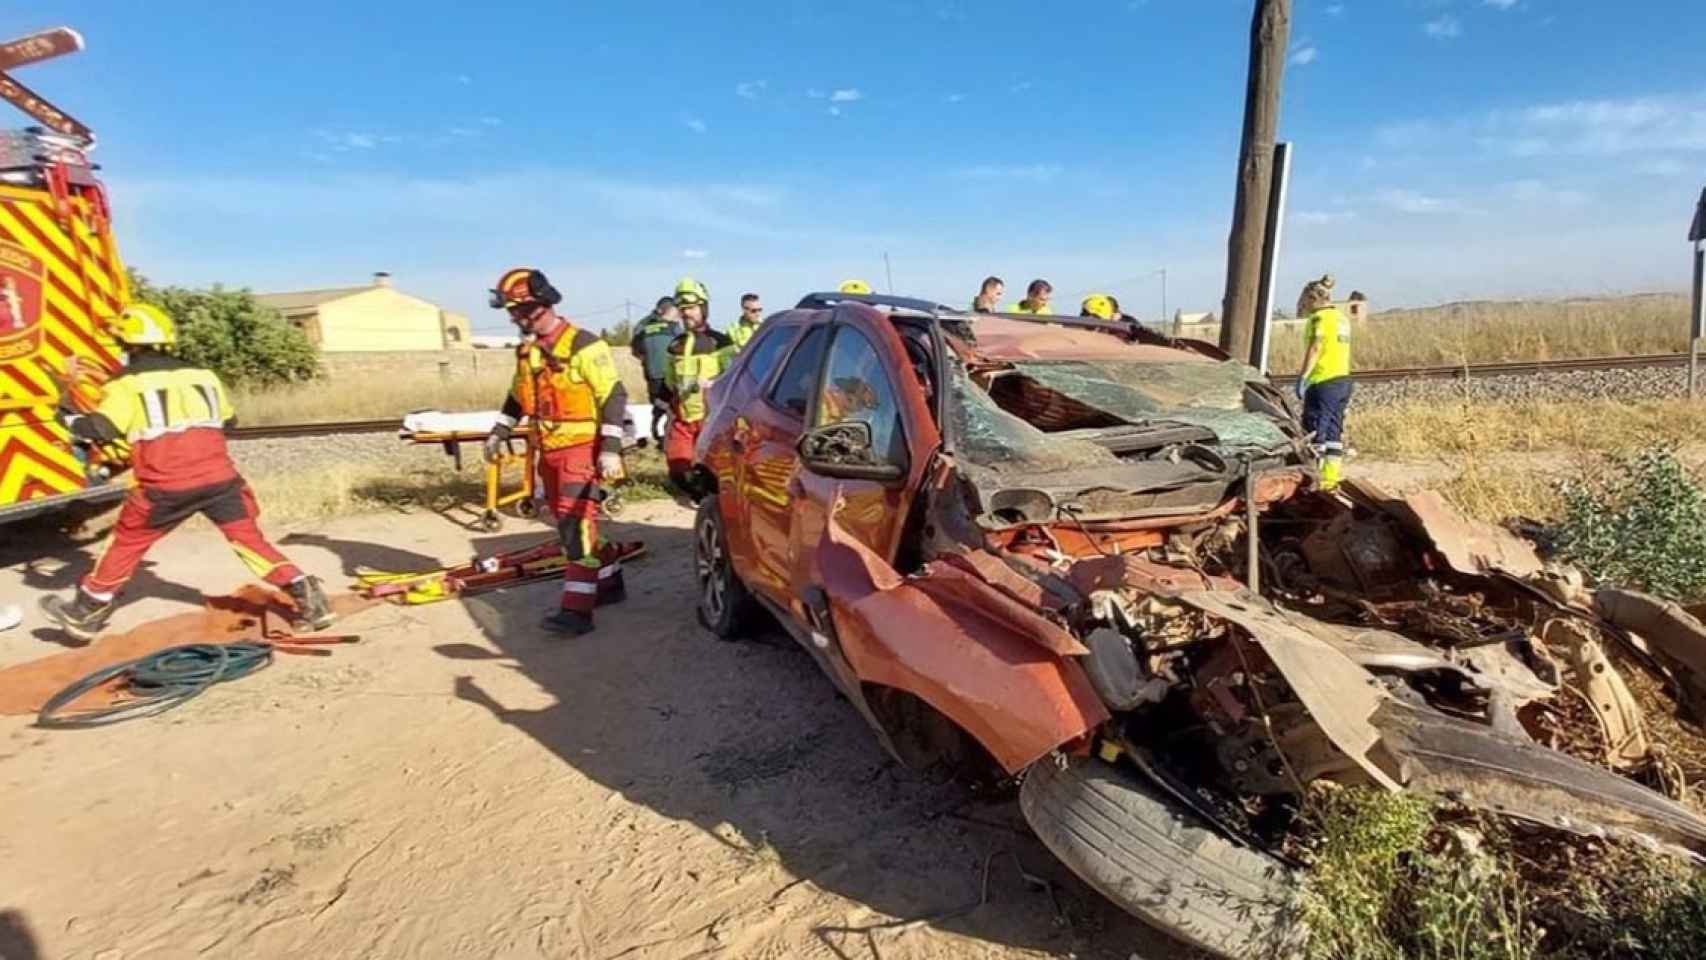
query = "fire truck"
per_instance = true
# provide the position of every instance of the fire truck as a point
(60, 279)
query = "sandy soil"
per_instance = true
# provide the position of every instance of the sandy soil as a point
(460, 785)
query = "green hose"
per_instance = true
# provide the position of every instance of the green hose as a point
(158, 682)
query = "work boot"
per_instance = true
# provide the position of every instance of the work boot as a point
(81, 618)
(568, 623)
(313, 610)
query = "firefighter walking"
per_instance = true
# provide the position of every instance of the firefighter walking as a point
(696, 358)
(566, 384)
(1324, 382)
(172, 414)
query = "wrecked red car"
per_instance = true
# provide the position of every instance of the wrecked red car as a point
(1092, 559)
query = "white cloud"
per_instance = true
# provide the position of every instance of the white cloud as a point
(1315, 218)
(1039, 172)
(693, 254)
(1412, 201)
(1663, 167)
(750, 89)
(1446, 27)
(492, 121)
(955, 98)
(1500, 4)
(343, 141)
(1305, 56)
(1543, 194)
(835, 111)
(1608, 127)
(1335, 9)
(846, 95)
(463, 132)
(815, 93)
(464, 79)
(1021, 86)
(695, 124)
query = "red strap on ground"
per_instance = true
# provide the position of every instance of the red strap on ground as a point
(244, 615)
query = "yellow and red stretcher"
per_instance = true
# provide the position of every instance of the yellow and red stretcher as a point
(451, 430)
(541, 561)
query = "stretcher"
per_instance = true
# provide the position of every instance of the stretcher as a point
(452, 430)
(541, 561)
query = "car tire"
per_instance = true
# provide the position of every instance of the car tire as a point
(1160, 863)
(726, 607)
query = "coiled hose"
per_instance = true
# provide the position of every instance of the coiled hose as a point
(158, 682)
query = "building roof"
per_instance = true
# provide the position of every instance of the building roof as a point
(302, 299)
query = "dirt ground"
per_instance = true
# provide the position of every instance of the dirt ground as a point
(461, 785)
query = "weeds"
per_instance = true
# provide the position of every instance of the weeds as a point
(1639, 519)
(1499, 332)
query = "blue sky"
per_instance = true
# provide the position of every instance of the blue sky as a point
(1446, 149)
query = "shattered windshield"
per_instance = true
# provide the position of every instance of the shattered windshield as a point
(1209, 395)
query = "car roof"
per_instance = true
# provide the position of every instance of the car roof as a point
(1010, 337)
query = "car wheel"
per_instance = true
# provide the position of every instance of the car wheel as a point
(725, 606)
(1159, 863)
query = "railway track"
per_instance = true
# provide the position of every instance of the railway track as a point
(1462, 372)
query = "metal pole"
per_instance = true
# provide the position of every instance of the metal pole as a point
(1697, 320)
(1262, 339)
(1253, 547)
(887, 272)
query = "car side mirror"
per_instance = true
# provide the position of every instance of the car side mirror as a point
(844, 451)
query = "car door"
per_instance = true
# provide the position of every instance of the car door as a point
(866, 377)
(768, 440)
(730, 429)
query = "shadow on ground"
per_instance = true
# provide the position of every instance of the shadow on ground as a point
(751, 736)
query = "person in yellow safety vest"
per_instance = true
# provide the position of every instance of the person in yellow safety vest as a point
(1324, 382)
(1101, 306)
(696, 358)
(566, 384)
(855, 287)
(1036, 299)
(751, 315)
(989, 293)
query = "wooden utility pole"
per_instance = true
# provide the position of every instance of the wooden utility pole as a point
(1270, 32)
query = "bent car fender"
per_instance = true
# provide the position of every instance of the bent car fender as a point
(941, 639)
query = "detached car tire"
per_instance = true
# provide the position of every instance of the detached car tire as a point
(1130, 841)
(726, 608)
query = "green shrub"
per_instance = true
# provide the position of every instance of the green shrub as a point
(1640, 521)
(233, 334)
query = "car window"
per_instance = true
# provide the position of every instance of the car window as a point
(793, 389)
(857, 388)
(764, 353)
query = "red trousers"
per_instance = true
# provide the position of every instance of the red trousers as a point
(149, 514)
(569, 479)
(678, 448)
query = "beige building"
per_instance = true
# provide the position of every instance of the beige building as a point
(372, 317)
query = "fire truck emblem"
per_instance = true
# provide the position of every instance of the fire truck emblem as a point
(22, 275)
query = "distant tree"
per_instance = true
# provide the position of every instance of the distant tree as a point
(620, 333)
(233, 334)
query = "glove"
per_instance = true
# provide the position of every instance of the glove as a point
(610, 466)
(495, 441)
(1301, 387)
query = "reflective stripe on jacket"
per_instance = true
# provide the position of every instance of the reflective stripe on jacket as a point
(695, 359)
(570, 390)
(172, 413)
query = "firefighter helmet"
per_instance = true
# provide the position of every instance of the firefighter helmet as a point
(144, 325)
(524, 285)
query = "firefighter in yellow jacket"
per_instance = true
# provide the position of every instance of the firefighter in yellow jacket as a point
(696, 358)
(1324, 381)
(566, 384)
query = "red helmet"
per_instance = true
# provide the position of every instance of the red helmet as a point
(524, 285)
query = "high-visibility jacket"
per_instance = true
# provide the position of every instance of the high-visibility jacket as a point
(1332, 330)
(651, 339)
(695, 359)
(1028, 306)
(570, 390)
(742, 332)
(172, 414)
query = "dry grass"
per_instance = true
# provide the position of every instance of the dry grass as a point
(1498, 332)
(360, 398)
(290, 497)
(1412, 430)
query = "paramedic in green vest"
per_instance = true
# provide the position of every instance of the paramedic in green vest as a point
(650, 345)
(696, 357)
(1324, 383)
(751, 315)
